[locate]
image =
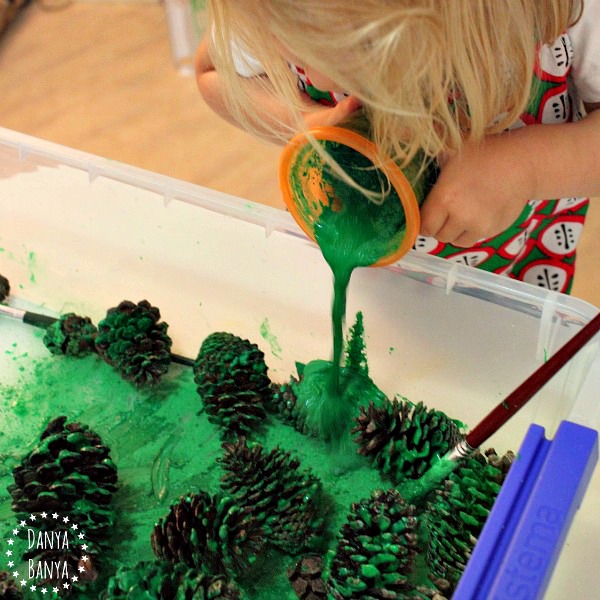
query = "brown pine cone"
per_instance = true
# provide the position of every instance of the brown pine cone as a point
(306, 578)
(131, 339)
(232, 381)
(71, 335)
(4, 288)
(458, 511)
(211, 533)
(404, 439)
(286, 500)
(375, 551)
(70, 471)
(8, 588)
(283, 403)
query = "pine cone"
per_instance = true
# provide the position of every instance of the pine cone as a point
(306, 578)
(8, 589)
(232, 381)
(71, 335)
(160, 580)
(404, 439)
(4, 288)
(375, 551)
(69, 472)
(284, 405)
(285, 501)
(458, 511)
(211, 533)
(131, 339)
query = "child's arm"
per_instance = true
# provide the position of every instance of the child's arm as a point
(274, 119)
(482, 190)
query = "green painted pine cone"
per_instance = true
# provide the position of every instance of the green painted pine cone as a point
(423, 592)
(375, 551)
(404, 439)
(211, 533)
(306, 578)
(70, 471)
(4, 290)
(159, 580)
(283, 404)
(458, 511)
(232, 381)
(71, 335)
(135, 343)
(285, 500)
(8, 588)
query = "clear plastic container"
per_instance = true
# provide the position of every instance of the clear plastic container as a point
(79, 233)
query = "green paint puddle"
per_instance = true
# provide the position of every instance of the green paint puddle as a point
(163, 450)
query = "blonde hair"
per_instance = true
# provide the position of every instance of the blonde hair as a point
(429, 72)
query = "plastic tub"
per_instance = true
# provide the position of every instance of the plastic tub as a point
(79, 233)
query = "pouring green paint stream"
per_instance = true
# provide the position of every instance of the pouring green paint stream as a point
(369, 219)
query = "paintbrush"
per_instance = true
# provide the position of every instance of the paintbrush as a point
(412, 491)
(44, 321)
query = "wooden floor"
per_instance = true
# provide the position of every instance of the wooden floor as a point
(98, 76)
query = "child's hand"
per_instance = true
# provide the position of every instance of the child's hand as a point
(479, 193)
(331, 116)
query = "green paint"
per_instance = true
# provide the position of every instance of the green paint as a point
(270, 338)
(325, 412)
(416, 489)
(352, 231)
(163, 450)
(31, 263)
(349, 239)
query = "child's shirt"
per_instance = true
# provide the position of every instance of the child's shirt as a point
(540, 247)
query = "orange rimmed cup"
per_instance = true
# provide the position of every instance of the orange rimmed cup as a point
(307, 187)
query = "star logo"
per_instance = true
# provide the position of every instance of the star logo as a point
(15, 546)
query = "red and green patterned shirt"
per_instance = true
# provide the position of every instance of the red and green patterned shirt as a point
(540, 246)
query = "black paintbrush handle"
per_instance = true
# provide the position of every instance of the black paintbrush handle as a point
(37, 320)
(44, 321)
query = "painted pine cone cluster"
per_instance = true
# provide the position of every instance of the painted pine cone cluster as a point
(375, 551)
(232, 381)
(210, 533)
(71, 335)
(404, 439)
(70, 471)
(285, 500)
(132, 339)
(4, 290)
(284, 405)
(306, 578)
(8, 588)
(458, 511)
(159, 580)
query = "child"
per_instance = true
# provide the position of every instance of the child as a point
(461, 81)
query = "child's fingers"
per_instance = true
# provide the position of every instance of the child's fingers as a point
(434, 216)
